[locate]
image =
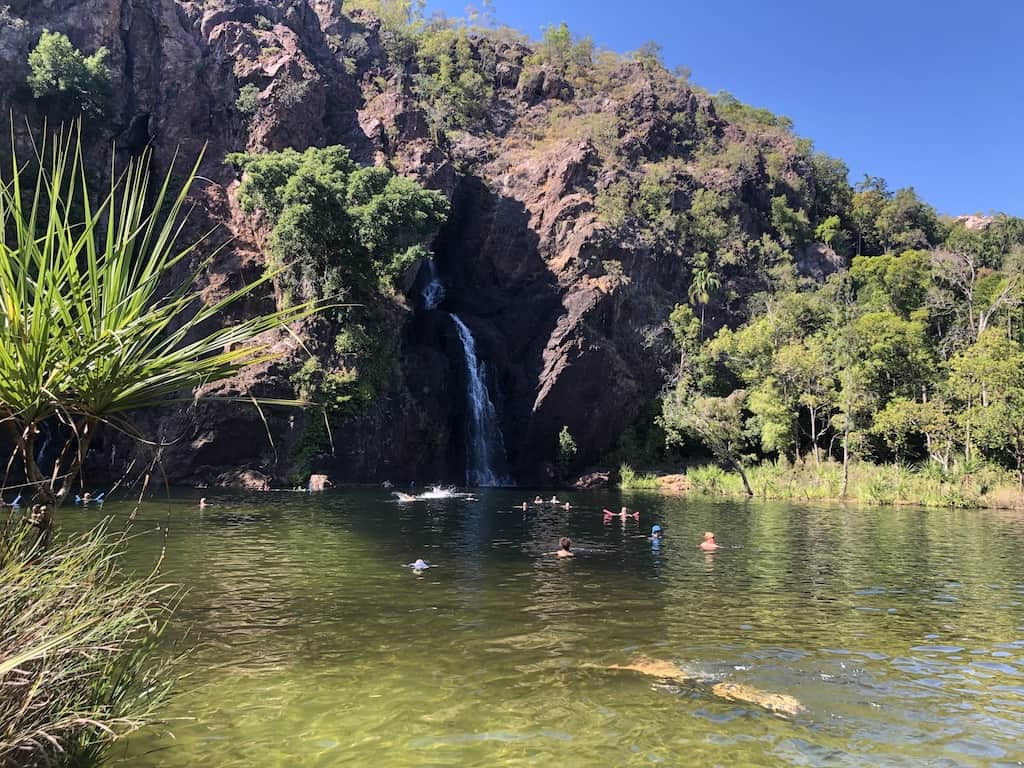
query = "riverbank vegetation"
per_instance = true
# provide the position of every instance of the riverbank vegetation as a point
(94, 329)
(909, 357)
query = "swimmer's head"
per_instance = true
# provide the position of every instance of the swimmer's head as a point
(655, 529)
(709, 536)
(565, 543)
(420, 565)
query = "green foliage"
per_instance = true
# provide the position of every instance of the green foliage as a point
(560, 49)
(67, 81)
(248, 101)
(78, 660)
(338, 227)
(630, 479)
(733, 109)
(454, 77)
(792, 225)
(566, 451)
(92, 330)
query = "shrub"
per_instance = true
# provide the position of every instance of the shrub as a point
(248, 100)
(67, 81)
(566, 451)
(337, 227)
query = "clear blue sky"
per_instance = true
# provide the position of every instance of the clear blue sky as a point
(928, 93)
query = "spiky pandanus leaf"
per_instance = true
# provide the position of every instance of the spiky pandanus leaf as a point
(91, 329)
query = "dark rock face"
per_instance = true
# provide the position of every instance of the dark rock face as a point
(570, 321)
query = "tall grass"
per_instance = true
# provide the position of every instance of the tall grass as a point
(964, 486)
(78, 667)
(630, 479)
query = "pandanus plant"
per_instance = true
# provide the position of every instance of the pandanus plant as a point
(92, 326)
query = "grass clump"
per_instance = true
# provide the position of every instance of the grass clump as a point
(630, 479)
(78, 668)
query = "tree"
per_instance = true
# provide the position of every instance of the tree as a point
(90, 331)
(966, 292)
(566, 451)
(337, 227)
(808, 366)
(703, 283)
(988, 379)
(869, 199)
(66, 80)
(718, 422)
(898, 423)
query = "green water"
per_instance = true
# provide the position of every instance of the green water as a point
(901, 631)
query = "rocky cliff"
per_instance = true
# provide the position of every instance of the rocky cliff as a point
(567, 296)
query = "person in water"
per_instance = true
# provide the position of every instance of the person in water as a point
(623, 515)
(709, 544)
(554, 500)
(564, 548)
(655, 533)
(419, 566)
(202, 503)
(538, 500)
(405, 496)
(567, 505)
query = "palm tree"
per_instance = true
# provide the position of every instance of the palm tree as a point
(702, 285)
(90, 330)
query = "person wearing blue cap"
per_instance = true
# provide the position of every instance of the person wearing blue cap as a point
(655, 533)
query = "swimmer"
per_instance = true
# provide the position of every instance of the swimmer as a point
(655, 533)
(622, 515)
(86, 497)
(386, 484)
(525, 506)
(538, 500)
(709, 544)
(567, 505)
(554, 500)
(405, 496)
(564, 548)
(202, 503)
(419, 566)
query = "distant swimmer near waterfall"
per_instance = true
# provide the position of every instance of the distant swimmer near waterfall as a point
(405, 496)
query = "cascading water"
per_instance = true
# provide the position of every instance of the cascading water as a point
(485, 448)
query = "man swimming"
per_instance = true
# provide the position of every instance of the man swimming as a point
(564, 548)
(709, 544)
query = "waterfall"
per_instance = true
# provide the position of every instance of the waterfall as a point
(433, 291)
(485, 448)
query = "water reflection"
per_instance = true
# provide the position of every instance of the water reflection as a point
(900, 630)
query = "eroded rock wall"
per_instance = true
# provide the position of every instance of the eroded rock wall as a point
(570, 319)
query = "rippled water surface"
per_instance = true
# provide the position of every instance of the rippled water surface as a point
(901, 631)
